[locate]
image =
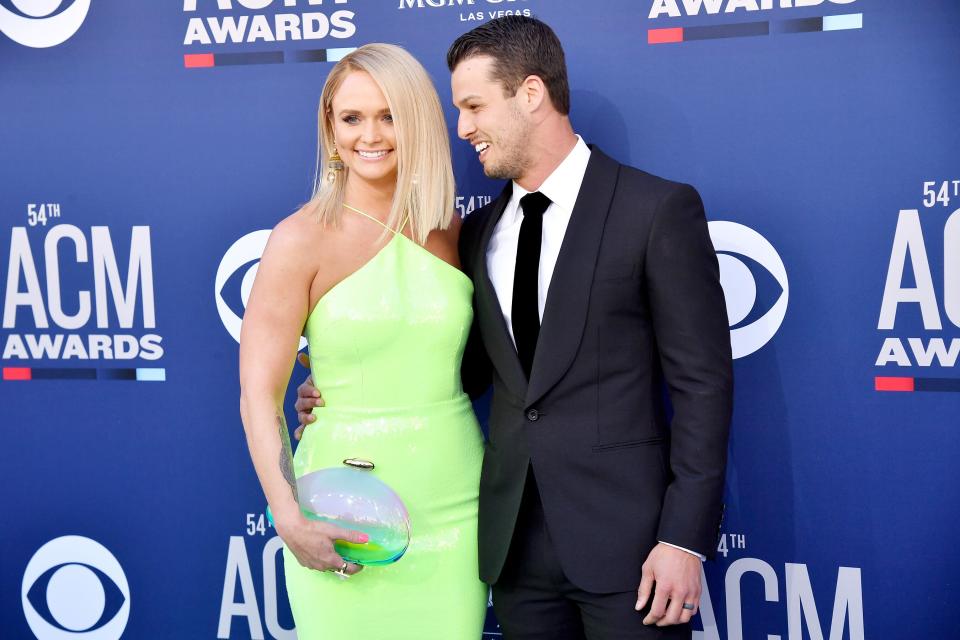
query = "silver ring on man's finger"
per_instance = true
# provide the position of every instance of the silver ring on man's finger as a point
(689, 606)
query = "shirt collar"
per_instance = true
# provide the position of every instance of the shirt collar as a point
(563, 185)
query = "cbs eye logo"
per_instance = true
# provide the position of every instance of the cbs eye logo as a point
(35, 23)
(73, 587)
(234, 280)
(750, 268)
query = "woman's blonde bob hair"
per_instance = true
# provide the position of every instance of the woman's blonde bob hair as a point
(425, 187)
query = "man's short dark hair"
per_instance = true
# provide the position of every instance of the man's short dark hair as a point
(520, 46)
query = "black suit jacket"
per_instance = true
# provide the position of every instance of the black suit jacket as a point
(635, 301)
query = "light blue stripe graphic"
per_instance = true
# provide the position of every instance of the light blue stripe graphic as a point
(839, 23)
(334, 55)
(151, 375)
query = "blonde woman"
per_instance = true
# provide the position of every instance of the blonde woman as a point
(368, 272)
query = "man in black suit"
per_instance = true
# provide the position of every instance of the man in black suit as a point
(595, 284)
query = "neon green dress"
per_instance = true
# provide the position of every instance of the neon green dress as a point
(385, 349)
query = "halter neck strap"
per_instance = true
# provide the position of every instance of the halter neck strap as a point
(403, 222)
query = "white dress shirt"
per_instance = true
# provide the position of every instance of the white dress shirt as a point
(562, 187)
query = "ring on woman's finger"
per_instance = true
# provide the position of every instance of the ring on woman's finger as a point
(342, 570)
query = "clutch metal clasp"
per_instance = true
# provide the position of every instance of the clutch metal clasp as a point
(357, 463)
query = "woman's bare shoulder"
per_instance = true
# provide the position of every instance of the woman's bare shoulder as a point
(295, 242)
(456, 222)
(443, 242)
(299, 228)
(452, 233)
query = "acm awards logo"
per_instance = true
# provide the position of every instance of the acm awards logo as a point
(218, 22)
(750, 270)
(731, 15)
(678, 8)
(794, 592)
(920, 281)
(240, 602)
(69, 297)
(39, 24)
(73, 587)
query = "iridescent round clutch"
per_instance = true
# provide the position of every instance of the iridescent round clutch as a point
(353, 498)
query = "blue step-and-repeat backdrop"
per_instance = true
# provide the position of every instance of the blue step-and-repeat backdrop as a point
(147, 147)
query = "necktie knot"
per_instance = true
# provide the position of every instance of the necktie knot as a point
(534, 204)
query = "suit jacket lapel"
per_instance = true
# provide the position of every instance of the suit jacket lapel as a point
(565, 314)
(496, 339)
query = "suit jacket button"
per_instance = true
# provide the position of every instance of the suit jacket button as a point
(533, 415)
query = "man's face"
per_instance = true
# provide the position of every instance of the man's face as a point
(495, 125)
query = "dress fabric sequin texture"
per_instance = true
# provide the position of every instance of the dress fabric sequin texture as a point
(385, 350)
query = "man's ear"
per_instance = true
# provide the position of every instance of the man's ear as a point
(532, 94)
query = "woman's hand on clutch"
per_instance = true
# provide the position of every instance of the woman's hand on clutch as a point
(308, 397)
(311, 542)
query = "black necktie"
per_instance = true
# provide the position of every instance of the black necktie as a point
(525, 314)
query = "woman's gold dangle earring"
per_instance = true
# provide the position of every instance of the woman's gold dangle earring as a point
(335, 165)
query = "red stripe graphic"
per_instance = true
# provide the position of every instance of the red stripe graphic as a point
(17, 373)
(197, 60)
(892, 384)
(663, 36)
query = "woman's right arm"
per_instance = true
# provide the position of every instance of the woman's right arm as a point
(274, 316)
